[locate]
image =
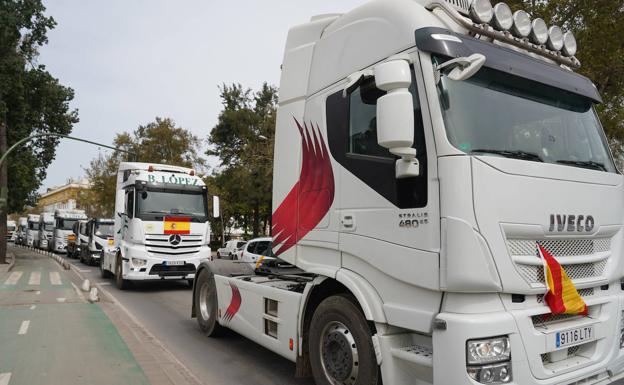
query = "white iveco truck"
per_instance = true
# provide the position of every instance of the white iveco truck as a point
(64, 220)
(161, 224)
(32, 230)
(423, 149)
(46, 231)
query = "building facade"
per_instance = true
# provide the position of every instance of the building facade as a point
(63, 197)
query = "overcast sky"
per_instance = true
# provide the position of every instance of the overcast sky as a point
(130, 61)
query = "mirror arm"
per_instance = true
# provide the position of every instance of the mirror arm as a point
(354, 80)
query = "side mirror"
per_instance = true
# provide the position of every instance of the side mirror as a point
(395, 115)
(215, 206)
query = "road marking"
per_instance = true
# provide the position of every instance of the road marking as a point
(5, 378)
(35, 278)
(60, 299)
(13, 278)
(33, 307)
(55, 278)
(78, 292)
(38, 292)
(103, 283)
(24, 327)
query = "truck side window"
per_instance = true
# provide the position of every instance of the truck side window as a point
(130, 203)
(352, 137)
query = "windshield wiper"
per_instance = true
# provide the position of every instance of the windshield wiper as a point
(517, 154)
(584, 163)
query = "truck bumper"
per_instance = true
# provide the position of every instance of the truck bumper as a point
(535, 359)
(158, 267)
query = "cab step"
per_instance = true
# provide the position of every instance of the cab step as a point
(417, 354)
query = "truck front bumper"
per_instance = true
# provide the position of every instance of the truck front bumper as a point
(535, 359)
(139, 265)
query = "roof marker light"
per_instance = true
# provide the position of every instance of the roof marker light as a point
(555, 38)
(569, 44)
(192, 173)
(539, 31)
(481, 11)
(150, 168)
(521, 24)
(503, 18)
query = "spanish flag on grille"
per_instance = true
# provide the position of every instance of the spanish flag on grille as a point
(177, 225)
(562, 296)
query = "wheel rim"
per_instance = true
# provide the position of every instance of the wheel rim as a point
(118, 271)
(339, 354)
(205, 301)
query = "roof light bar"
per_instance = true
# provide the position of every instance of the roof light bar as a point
(497, 22)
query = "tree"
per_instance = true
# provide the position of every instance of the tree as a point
(243, 141)
(156, 142)
(31, 101)
(599, 30)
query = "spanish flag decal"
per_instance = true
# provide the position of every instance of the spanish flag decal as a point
(177, 225)
(562, 297)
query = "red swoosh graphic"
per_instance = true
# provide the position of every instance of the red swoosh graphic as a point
(235, 304)
(310, 198)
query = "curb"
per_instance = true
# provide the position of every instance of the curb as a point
(12, 263)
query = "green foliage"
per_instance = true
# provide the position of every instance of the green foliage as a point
(243, 141)
(157, 142)
(599, 30)
(31, 100)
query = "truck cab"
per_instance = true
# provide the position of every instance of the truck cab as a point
(46, 231)
(11, 231)
(100, 238)
(64, 220)
(161, 224)
(32, 230)
(425, 151)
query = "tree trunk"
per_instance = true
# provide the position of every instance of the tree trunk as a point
(3, 194)
(256, 219)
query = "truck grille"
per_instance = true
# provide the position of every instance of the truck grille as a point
(160, 244)
(580, 247)
(175, 270)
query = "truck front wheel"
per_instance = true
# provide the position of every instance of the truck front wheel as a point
(103, 272)
(206, 304)
(121, 283)
(341, 348)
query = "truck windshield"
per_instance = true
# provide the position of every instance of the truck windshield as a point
(157, 203)
(48, 226)
(65, 224)
(33, 225)
(497, 114)
(103, 230)
(10, 228)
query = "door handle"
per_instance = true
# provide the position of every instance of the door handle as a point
(348, 222)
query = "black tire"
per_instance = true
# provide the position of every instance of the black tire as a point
(341, 348)
(205, 300)
(104, 273)
(122, 284)
(218, 255)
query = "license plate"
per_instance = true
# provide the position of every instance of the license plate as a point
(574, 336)
(172, 263)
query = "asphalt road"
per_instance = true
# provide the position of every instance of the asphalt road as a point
(164, 308)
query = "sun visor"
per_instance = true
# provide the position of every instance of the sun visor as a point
(447, 43)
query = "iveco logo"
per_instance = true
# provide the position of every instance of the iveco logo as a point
(571, 223)
(175, 239)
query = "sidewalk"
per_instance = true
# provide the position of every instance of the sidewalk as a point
(49, 334)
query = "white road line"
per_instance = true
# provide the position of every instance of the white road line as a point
(103, 283)
(13, 278)
(38, 292)
(24, 327)
(55, 278)
(78, 292)
(5, 378)
(33, 307)
(60, 299)
(35, 278)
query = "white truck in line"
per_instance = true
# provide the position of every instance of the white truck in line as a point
(64, 220)
(161, 224)
(423, 150)
(46, 230)
(32, 230)
(22, 226)
(11, 230)
(100, 238)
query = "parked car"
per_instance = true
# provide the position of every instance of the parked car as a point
(257, 251)
(229, 250)
(238, 254)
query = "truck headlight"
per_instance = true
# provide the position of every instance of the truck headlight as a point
(488, 360)
(486, 351)
(138, 262)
